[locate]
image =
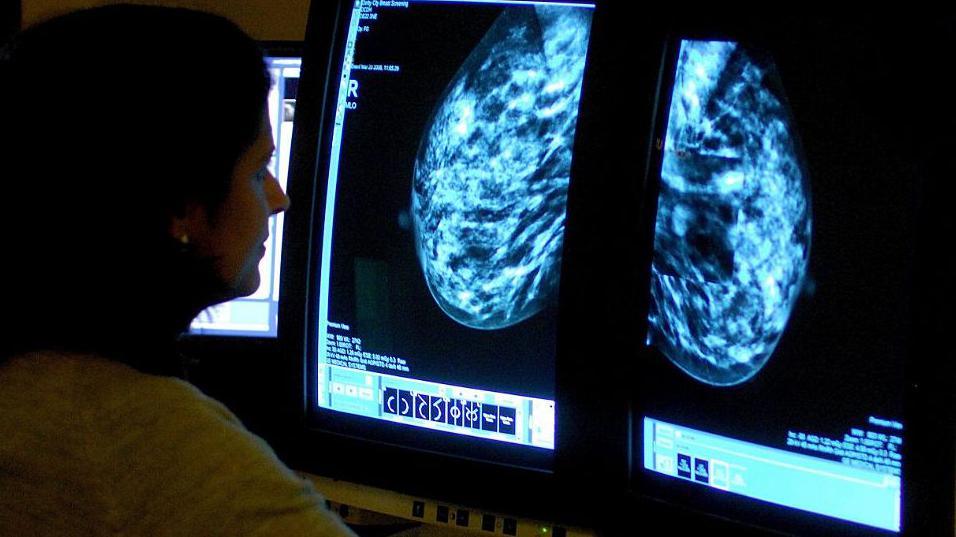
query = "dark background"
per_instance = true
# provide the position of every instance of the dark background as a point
(10, 17)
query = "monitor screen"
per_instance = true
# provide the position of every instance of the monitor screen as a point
(440, 224)
(257, 314)
(779, 312)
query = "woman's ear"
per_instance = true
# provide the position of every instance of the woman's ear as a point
(188, 221)
(177, 231)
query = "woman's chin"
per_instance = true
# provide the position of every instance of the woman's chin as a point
(247, 286)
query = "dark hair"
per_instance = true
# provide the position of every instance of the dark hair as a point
(112, 119)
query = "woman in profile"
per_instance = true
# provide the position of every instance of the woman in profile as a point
(136, 194)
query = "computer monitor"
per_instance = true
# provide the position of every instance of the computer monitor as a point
(438, 241)
(443, 163)
(787, 285)
(257, 314)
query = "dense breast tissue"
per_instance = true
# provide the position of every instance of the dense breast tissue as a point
(733, 228)
(491, 176)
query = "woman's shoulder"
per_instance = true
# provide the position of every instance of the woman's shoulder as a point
(105, 392)
(88, 373)
(151, 449)
(72, 426)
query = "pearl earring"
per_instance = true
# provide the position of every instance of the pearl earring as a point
(183, 241)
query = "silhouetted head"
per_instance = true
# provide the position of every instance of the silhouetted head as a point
(135, 141)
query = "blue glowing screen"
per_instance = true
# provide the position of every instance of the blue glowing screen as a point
(443, 228)
(785, 406)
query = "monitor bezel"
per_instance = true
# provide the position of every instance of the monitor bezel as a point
(542, 492)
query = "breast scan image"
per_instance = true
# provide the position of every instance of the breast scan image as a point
(491, 176)
(733, 226)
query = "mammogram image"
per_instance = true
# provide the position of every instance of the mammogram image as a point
(733, 229)
(491, 176)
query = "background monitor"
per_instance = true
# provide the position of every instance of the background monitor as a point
(788, 285)
(257, 314)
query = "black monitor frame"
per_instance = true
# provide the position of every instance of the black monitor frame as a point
(928, 466)
(591, 433)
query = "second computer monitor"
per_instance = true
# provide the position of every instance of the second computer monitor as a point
(781, 297)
